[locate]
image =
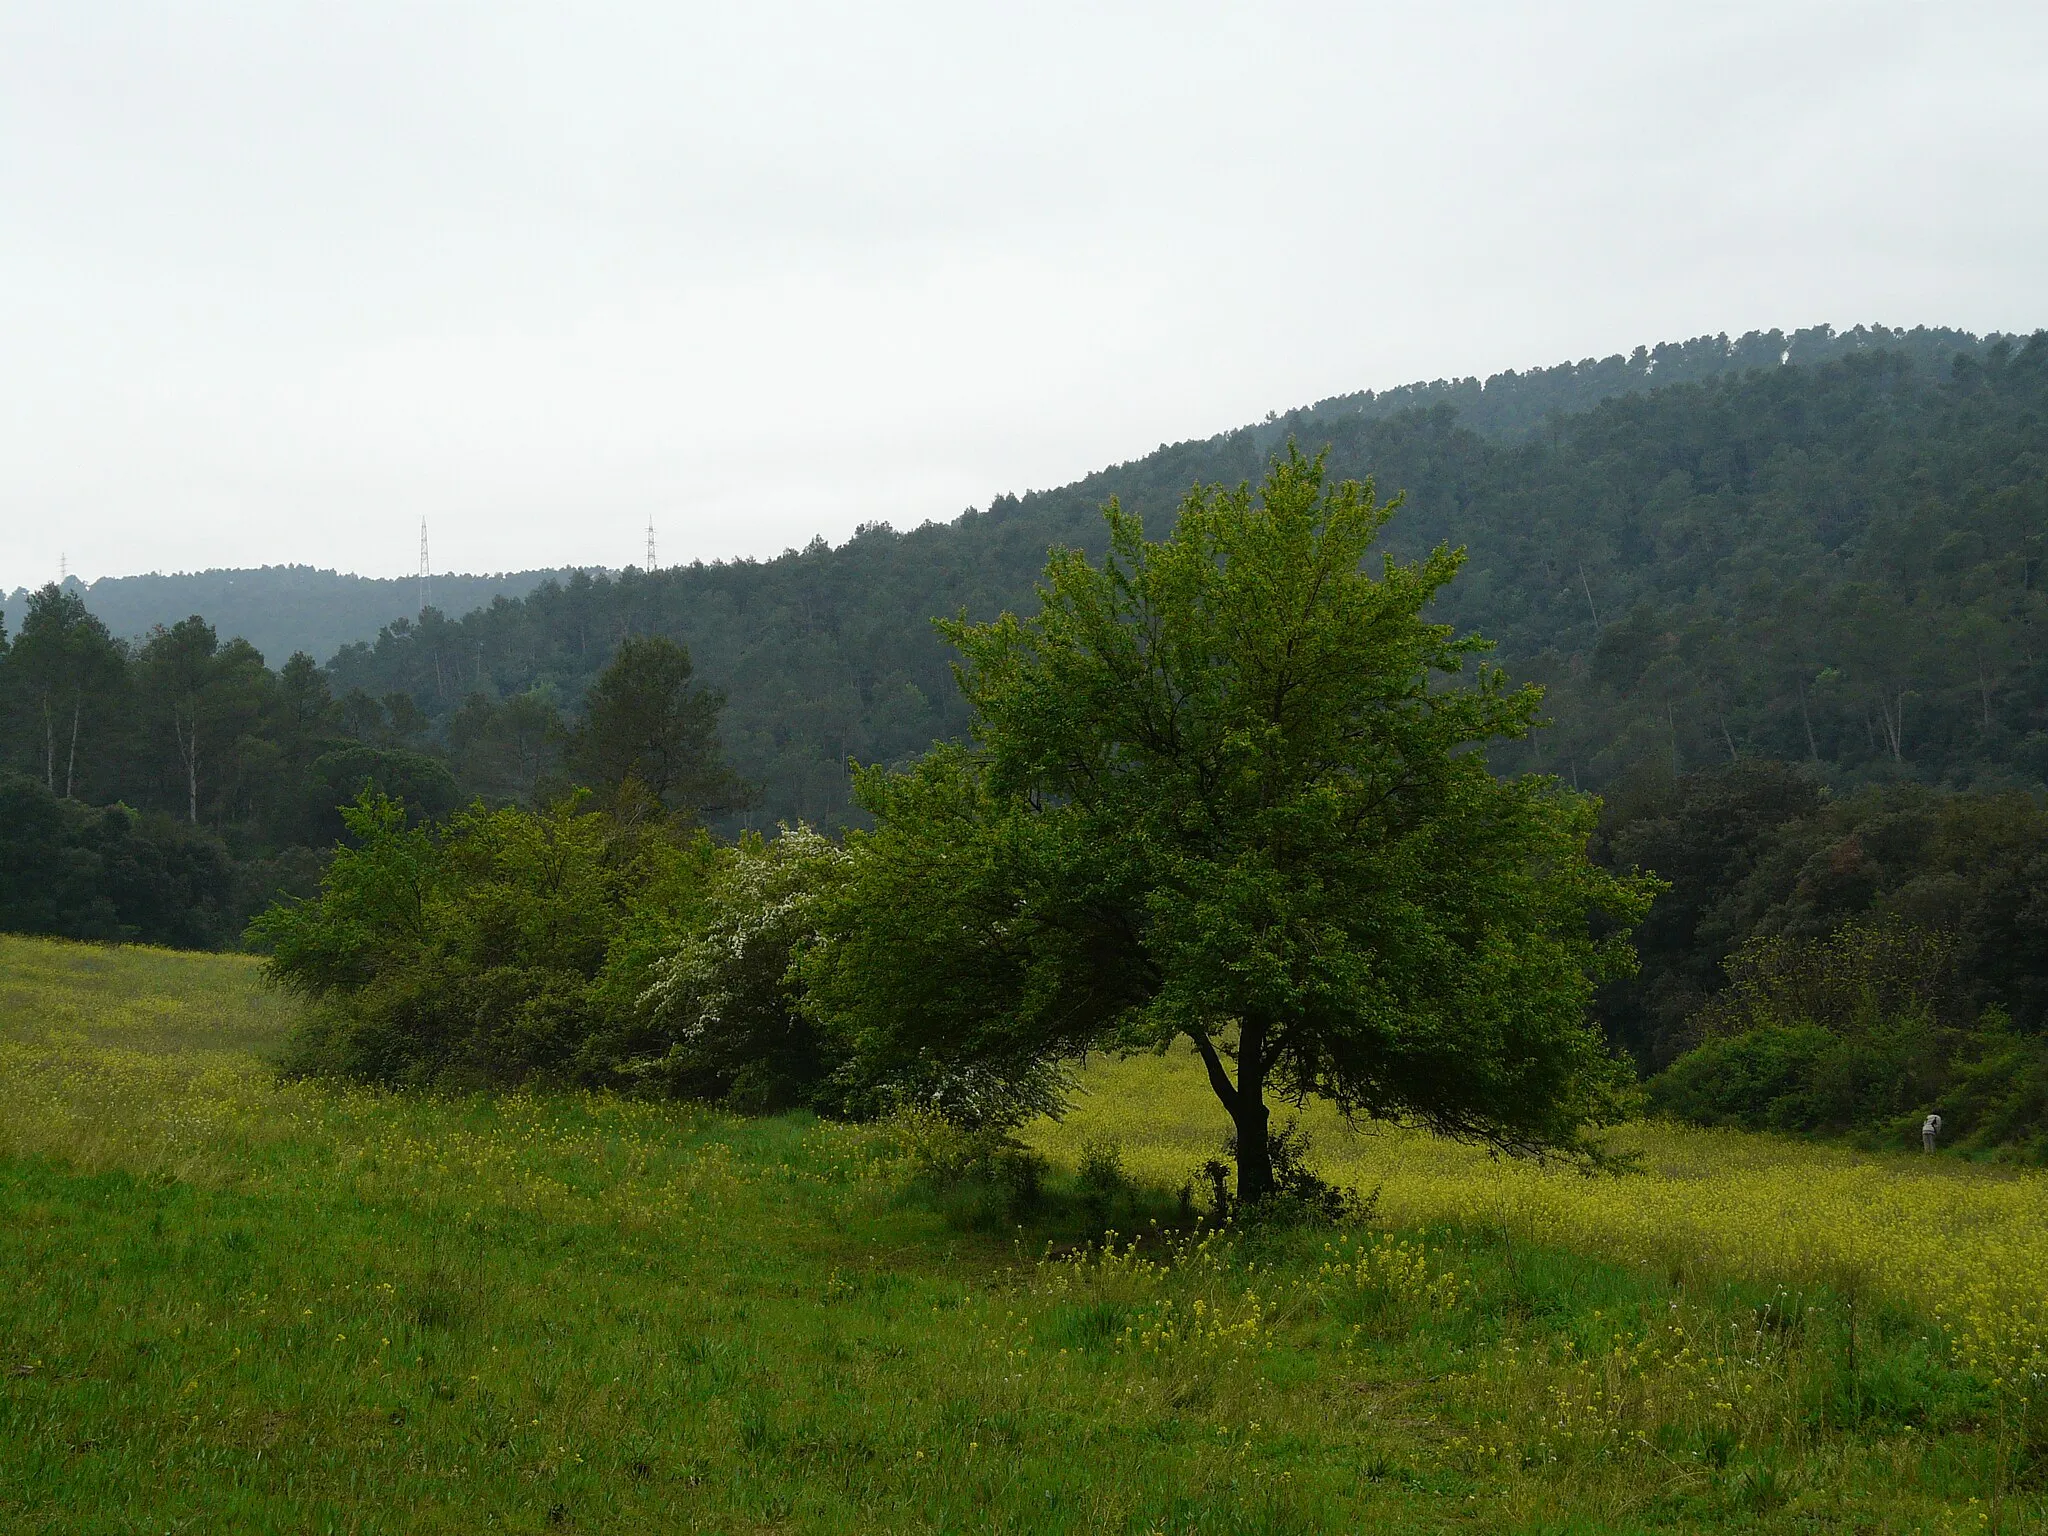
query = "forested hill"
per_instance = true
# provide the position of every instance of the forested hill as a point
(1838, 561)
(1509, 406)
(280, 609)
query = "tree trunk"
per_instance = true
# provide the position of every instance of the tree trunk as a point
(188, 752)
(1245, 1102)
(1812, 747)
(71, 761)
(1254, 1153)
(1893, 723)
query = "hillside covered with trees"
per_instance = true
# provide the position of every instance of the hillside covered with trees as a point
(1784, 596)
(1839, 564)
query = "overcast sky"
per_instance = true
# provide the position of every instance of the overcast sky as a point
(276, 280)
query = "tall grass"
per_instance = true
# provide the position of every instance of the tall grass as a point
(1965, 1244)
(229, 1302)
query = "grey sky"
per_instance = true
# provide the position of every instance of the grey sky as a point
(278, 280)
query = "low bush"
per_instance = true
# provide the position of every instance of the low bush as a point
(501, 946)
(984, 1180)
(1300, 1194)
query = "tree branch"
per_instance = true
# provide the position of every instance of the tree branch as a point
(1218, 1078)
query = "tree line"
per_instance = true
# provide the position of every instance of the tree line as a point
(168, 791)
(1834, 559)
(283, 609)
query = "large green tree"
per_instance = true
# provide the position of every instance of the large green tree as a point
(202, 697)
(1229, 786)
(506, 747)
(69, 667)
(645, 722)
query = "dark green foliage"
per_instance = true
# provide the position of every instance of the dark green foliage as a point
(1996, 1092)
(335, 778)
(644, 723)
(83, 872)
(66, 670)
(1224, 788)
(1797, 1078)
(201, 702)
(1706, 839)
(1860, 1032)
(507, 750)
(257, 763)
(1758, 848)
(186, 727)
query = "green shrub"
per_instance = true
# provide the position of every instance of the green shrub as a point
(499, 947)
(1753, 1081)
(421, 783)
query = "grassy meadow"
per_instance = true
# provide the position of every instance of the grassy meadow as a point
(233, 1303)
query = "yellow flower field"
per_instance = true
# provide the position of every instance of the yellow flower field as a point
(1968, 1244)
(655, 1315)
(176, 1083)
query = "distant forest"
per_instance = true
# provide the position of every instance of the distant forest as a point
(1785, 593)
(281, 609)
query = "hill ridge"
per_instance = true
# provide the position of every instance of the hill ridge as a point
(1505, 406)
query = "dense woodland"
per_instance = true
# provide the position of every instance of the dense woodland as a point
(1784, 594)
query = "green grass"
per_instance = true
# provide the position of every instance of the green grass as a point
(229, 1303)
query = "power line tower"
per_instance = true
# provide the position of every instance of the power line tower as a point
(426, 580)
(650, 544)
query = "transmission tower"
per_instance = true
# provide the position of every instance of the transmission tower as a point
(426, 581)
(650, 544)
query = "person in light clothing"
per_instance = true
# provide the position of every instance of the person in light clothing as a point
(1930, 1129)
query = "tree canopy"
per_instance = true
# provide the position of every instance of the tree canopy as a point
(67, 664)
(1229, 786)
(644, 723)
